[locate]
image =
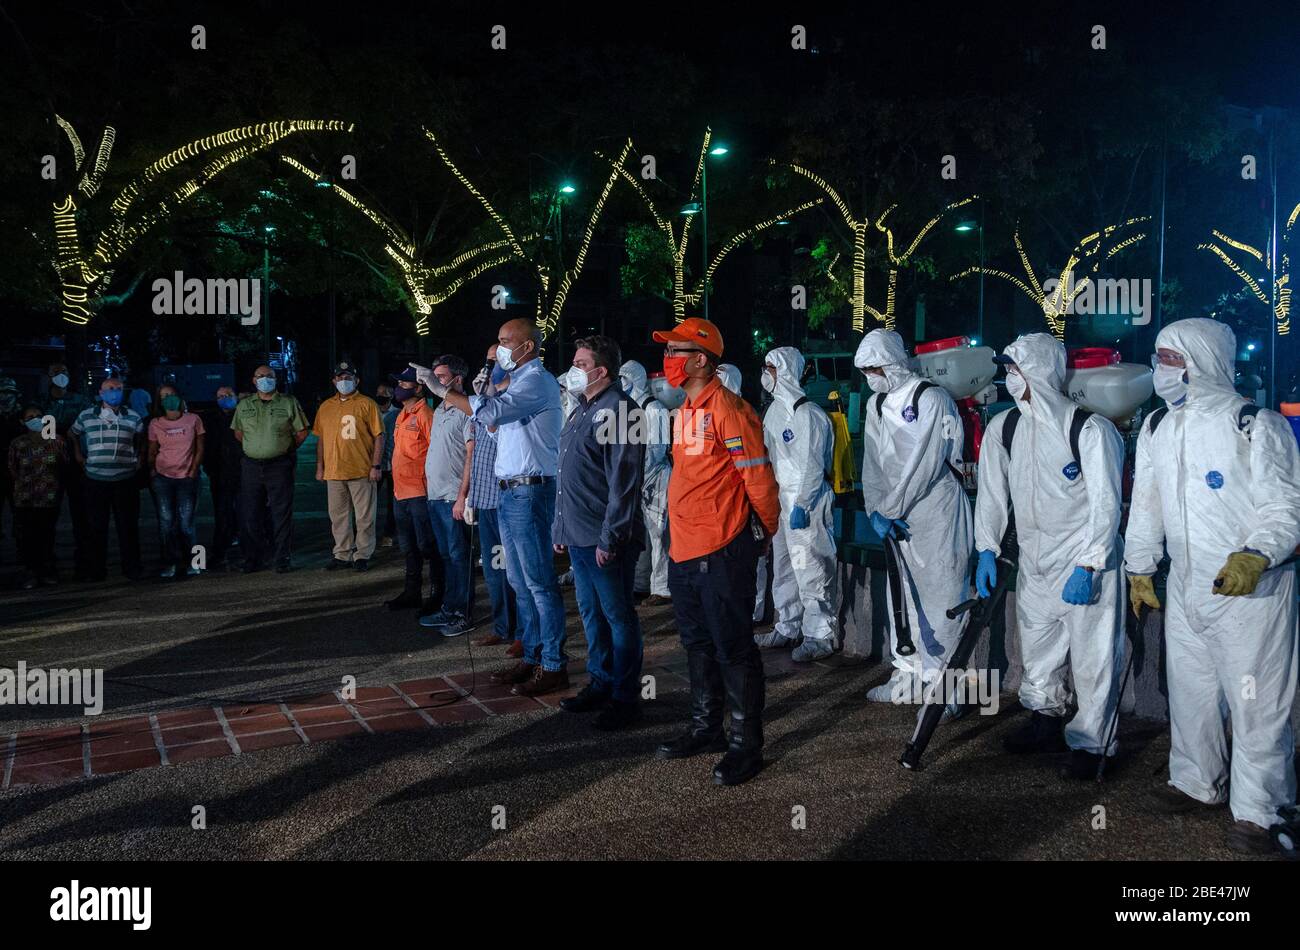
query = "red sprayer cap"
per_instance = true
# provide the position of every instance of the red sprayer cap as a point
(1091, 357)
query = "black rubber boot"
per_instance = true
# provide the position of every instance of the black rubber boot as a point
(745, 696)
(409, 597)
(1040, 734)
(705, 731)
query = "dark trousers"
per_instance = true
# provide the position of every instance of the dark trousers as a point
(225, 513)
(713, 602)
(177, 498)
(34, 532)
(500, 593)
(614, 645)
(416, 541)
(73, 485)
(388, 520)
(266, 488)
(453, 548)
(122, 500)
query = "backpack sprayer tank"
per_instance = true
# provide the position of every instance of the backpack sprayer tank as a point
(1097, 380)
(966, 372)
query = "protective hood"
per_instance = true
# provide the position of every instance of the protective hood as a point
(1210, 350)
(1040, 357)
(884, 348)
(789, 370)
(635, 374)
(730, 376)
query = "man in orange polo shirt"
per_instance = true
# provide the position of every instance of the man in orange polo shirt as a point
(722, 512)
(410, 509)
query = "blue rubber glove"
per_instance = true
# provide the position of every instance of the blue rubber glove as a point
(986, 573)
(1078, 589)
(798, 518)
(881, 525)
(885, 528)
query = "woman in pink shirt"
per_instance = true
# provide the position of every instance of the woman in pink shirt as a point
(175, 453)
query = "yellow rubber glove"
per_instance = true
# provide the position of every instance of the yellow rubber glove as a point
(1240, 574)
(1141, 590)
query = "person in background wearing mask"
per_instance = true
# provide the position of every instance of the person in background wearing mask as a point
(33, 467)
(480, 499)
(1069, 595)
(800, 443)
(175, 453)
(108, 446)
(411, 431)
(598, 521)
(11, 427)
(221, 462)
(446, 474)
(731, 380)
(65, 405)
(269, 426)
(141, 400)
(350, 461)
(723, 508)
(1217, 484)
(652, 565)
(388, 410)
(528, 421)
(912, 444)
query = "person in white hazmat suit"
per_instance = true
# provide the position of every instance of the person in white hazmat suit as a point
(729, 376)
(1217, 484)
(652, 566)
(800, 443)
(911, 487)
(1069, 592)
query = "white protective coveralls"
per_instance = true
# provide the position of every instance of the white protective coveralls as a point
(1066, 517)
(907, 474)
(800, 443)
(729, 376)
(652, 566)
(1206, 487)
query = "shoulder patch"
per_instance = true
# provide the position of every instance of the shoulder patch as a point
(735, 445)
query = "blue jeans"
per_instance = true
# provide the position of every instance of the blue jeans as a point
(453, 547)
(415, 538)
(177, 498)
(610, 621)
(500, 593)
(525, 514)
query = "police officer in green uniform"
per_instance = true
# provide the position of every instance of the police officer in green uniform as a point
(269, 426)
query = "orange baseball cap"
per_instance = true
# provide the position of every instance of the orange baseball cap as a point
(695, 330)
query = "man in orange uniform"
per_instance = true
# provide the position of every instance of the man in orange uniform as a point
(722, 512)
(414, 530)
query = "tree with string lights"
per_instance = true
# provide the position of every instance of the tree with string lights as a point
(86, 262)
(1276, 278)
(656, 252)
(1095, 249)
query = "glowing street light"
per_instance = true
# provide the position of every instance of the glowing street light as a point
(691, 208)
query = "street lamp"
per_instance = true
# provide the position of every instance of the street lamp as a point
(963, 227)
(565, 188)
(717, 151)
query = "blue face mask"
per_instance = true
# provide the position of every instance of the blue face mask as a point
(112, 397)
(346, 387)
(498, 375)
(34, 424)
(227, 402)
(265, 384)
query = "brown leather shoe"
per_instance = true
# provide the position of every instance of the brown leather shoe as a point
(489, 640)
(515, 649)
(656, 600)
(543, 681)
(519, 673)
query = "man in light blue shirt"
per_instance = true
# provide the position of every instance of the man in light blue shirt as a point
(528, 421)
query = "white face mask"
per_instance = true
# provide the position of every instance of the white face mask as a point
(575, 380)
(1169, 383)
(768, 381)
(878, 383)
(1016, 386)
(625, 384)
(506, 358)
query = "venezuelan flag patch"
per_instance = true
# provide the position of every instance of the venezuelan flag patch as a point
(734, 445)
